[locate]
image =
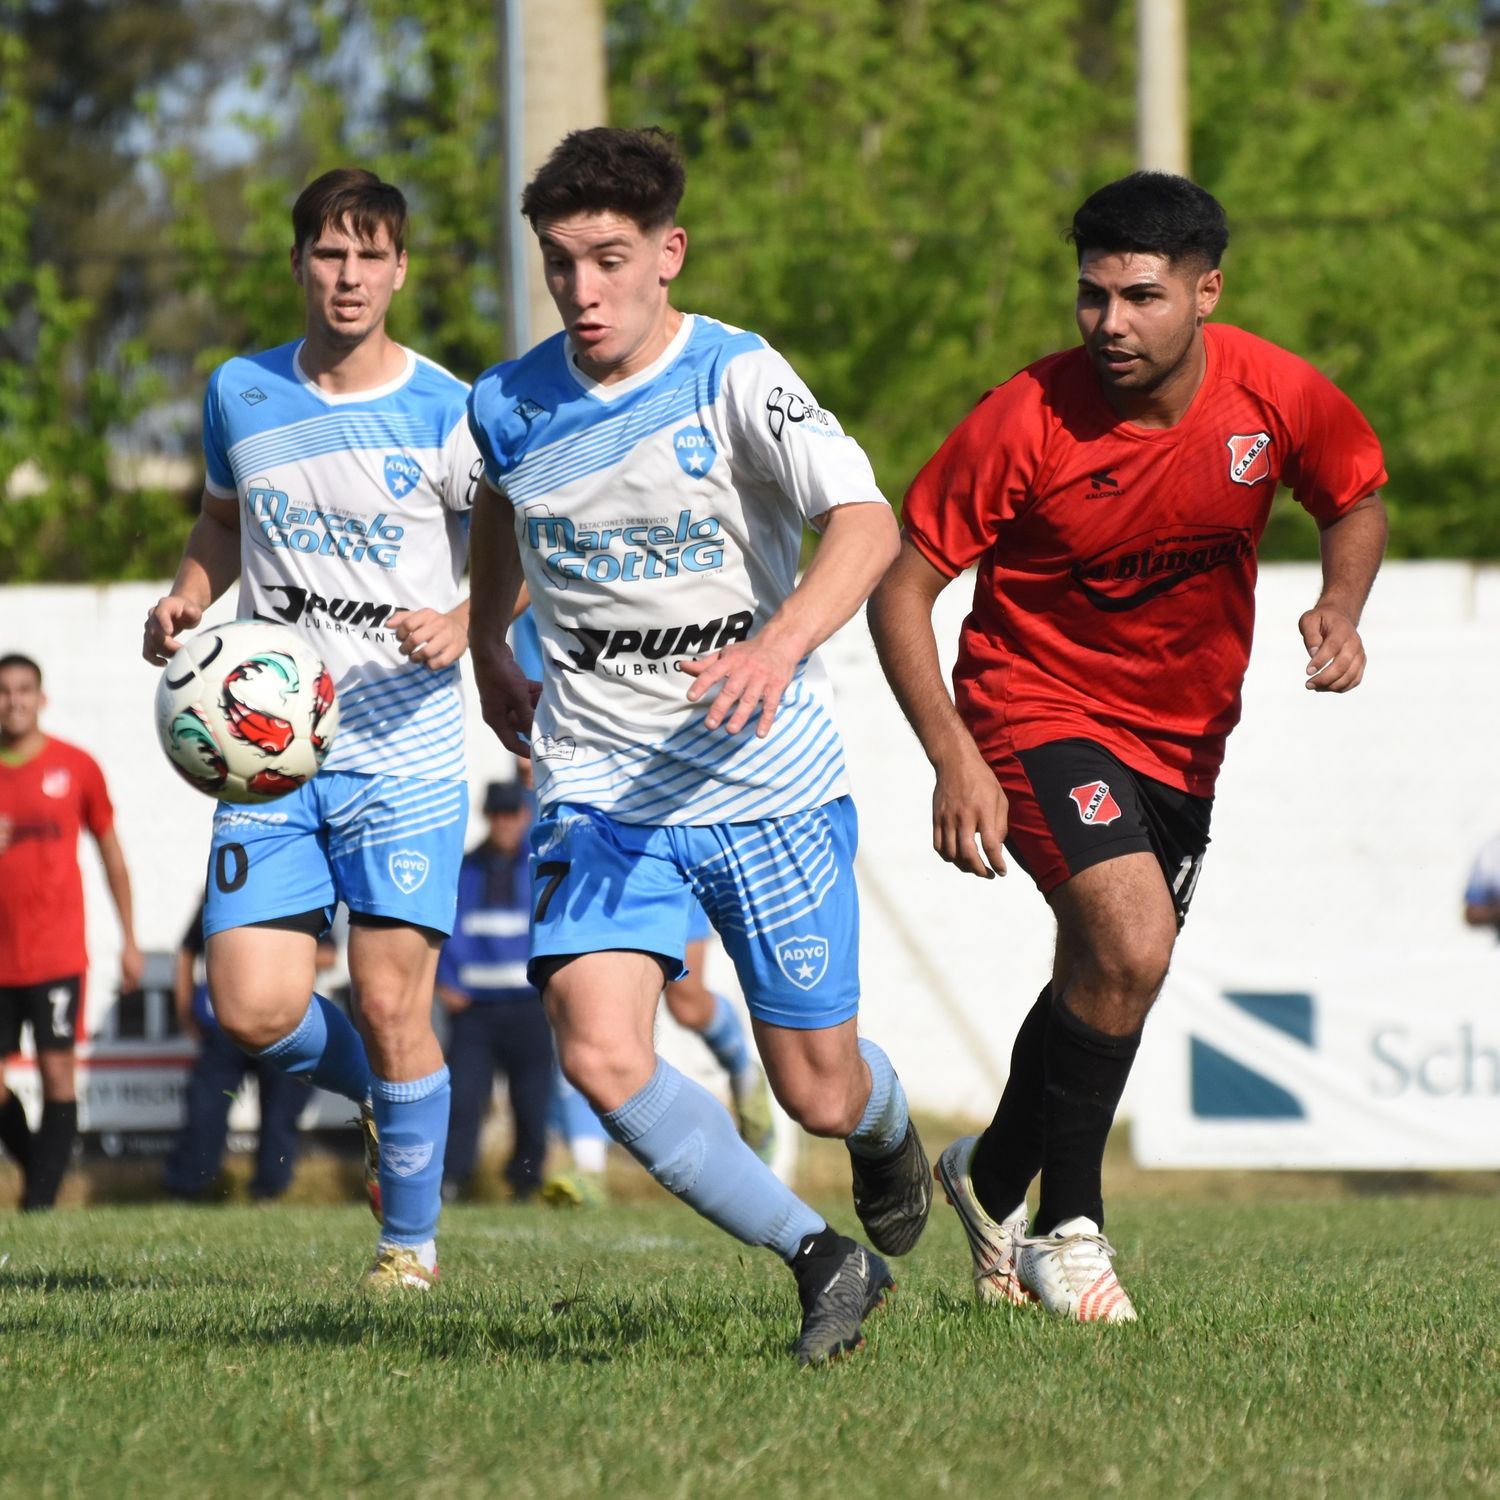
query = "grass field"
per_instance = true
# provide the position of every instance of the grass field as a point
(1289, 1347)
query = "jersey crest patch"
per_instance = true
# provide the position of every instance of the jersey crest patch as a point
(402, 474)
(408, 869)
(695, 450)
(55, 783)
(1250, 457)
(804, 960)
(1096, 803)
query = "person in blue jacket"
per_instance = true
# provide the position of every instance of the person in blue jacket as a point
(496, 1018)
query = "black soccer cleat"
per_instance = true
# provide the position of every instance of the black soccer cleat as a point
(893, 1194)
(839, 1290)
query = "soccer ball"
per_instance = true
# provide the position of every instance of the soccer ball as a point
(245, 711)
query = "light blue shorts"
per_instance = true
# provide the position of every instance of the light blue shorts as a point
(386, 846)
(780, 892)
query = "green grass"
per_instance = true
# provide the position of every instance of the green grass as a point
(1289, 1349)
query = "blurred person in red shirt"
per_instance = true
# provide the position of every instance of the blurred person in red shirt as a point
(50, 791)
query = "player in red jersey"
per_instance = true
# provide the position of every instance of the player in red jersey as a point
(1113, 496)
(49, 792)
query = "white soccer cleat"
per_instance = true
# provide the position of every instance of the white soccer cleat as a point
(399, 1268)
(992, 1243)
(1069, 1273)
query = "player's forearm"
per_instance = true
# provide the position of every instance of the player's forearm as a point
(117, 878)
(494, 568)
(859, 544)
(900, 616)
(1351, 549)
(210, 561)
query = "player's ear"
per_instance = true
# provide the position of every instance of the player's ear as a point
(297, 264)
(400, 280)
(673, 252)
(1210, 289)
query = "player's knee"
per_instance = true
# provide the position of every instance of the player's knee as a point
(605, 1076)
(690, 1004)
(1133, 970)
(821, 1109)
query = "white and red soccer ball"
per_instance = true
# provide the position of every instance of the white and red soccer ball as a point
(246, 711)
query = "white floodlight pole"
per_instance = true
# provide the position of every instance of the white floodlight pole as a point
(515, 241)
(1161, 86)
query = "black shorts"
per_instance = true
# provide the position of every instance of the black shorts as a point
(1073, 804)
(50, 1009)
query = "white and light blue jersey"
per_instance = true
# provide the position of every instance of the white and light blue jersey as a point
(660, 519)
(352, 507)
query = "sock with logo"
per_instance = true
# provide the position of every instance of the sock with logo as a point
(51, 1149)
(882, 1127)
(15, 1133)
(1009, 1153)
(324, 1050)
(685, 1139)
(1086, 1074)
(725, 1038)
(412, 1122)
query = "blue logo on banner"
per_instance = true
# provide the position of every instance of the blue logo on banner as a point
(401, 474)
(1223, 1088)
(695, 450)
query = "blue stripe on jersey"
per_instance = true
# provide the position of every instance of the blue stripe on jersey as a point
(428, 805)
(527, 458)
(337, 432)
(408, 725)
(795, 861)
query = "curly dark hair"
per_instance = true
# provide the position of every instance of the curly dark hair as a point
(637, 173)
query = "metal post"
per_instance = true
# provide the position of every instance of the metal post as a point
(515, 236)
(1161, 86)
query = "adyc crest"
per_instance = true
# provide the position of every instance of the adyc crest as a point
(804, 960)
(1250, 457)
(401, 474)
(1096, 803)
(695, 450)
(406, 1161)
(408, 869)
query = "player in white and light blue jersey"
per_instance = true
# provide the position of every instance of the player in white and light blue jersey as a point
(340, 475)
(652, 472)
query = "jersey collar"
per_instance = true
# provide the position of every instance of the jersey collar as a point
(344, 398)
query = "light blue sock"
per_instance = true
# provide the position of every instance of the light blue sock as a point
(882, 1127)
(726, 1038)
(685, 1139)
(324, 1050)
(412, 1120)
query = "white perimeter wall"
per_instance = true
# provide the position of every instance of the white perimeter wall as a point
(1343, 830)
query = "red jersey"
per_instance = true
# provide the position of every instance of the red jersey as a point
(49, 800)
(1116, 590)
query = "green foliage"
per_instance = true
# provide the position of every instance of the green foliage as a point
(878, 186)
(58, 410)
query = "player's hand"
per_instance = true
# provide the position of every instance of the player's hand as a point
(170, 614)
(1336, 655)
(970, 815)
(132, 966)
(429, 636)
(750, 677)
(507, 696)
(6, 827)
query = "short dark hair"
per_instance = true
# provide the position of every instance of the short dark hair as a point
(637, 173)
(15, 659)
(1153, 213)
(354, 197)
